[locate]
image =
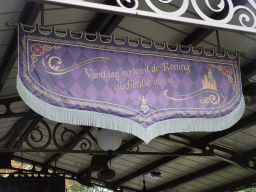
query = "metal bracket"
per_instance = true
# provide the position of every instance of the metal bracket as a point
(231, 157)
(9, 113)
(220, 152)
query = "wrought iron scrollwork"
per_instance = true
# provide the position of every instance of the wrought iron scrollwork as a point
(69, 133)
(86, 144)
(131, 4)
(36, 135)
(247, 20)
(68, 136)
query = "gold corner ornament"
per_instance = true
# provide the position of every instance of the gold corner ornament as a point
(209, 86)
(38, 50)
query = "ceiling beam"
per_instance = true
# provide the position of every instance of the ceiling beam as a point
(104, 23)
(200, 173)
(191, 176)
(200, 143)
(160, 162)
(28, 16)
(249, 69)
(21, 127)
(235, 185)
(242, 124)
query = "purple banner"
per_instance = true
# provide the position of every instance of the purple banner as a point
(143, 91)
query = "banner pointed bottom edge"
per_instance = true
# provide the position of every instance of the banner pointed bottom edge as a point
(87, 118)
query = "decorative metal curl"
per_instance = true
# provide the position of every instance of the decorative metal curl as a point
(72, 135)
(18, 144)
(33, 138)
(243, 17)
(232, 10)
(137, 149)
(221, 6)
(136, 4)
(62, 135)
(178, 12)
(84, 144)
(40, 133)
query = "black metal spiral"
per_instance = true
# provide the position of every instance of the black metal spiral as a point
(30, 136)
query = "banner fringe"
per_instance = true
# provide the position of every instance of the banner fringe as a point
(88, 118)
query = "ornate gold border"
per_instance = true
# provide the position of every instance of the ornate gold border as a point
(25, 37)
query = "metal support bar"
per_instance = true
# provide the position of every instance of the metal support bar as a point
(78, 33)
(160, 162)
(222, 153)
(42, 15)
(218, 39)
(102, 152)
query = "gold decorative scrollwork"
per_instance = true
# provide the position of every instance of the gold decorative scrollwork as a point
(57, 71)
(49, 47)
(230, 80)
(50, 63)
(212, 99)
(37, 51)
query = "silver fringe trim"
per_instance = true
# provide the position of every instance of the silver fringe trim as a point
(80, 117)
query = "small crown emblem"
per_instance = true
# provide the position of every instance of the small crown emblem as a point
(143, 100)
(144, 107)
